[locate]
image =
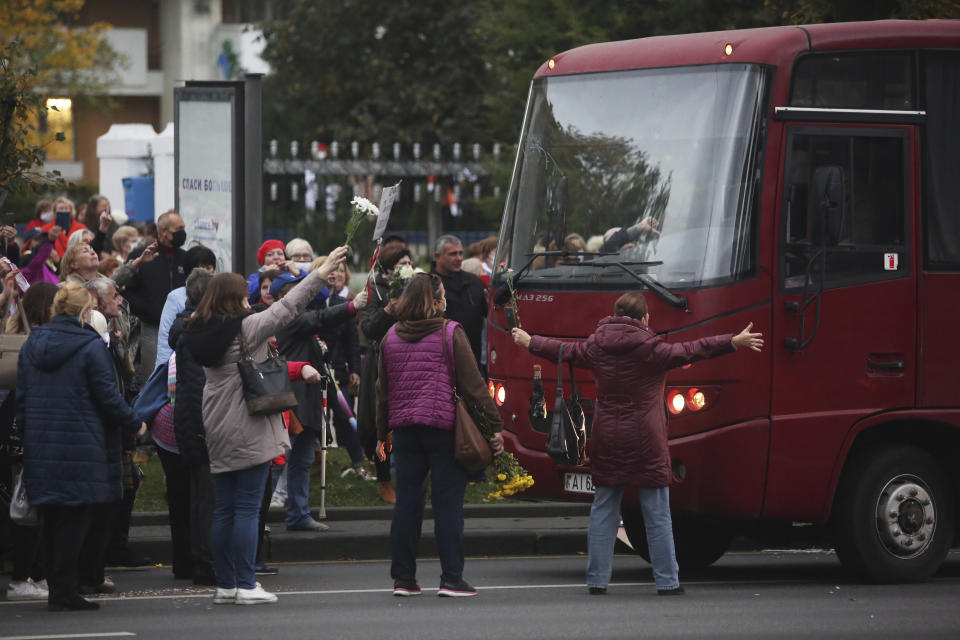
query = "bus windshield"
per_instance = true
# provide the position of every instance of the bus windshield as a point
(655, 169)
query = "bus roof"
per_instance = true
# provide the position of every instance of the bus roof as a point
(769, 45)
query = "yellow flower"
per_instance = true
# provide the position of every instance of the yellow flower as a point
(501, 476)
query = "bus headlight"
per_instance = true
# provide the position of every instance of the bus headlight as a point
(676, 403)
(695, 399)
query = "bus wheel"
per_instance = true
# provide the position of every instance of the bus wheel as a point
(894, 515)
(699, 541)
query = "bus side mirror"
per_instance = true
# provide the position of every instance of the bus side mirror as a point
(828, 199)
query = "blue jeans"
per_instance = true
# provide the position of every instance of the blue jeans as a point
(416, 451)
(233, 534)
(602, 535)
(299, 460)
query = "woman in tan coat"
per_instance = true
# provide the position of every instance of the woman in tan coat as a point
(240, 446)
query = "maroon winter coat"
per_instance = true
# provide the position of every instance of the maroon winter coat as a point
(628, 440)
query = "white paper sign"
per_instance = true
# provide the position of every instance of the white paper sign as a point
(388, 196)
(891, 261)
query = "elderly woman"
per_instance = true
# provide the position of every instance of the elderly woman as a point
(423, 358)
(71, 466)
(628, 442)
(240, 446)
(80, 263)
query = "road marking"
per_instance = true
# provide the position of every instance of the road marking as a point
(116, 634)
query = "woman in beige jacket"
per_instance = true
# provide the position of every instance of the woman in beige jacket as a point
(240, 445)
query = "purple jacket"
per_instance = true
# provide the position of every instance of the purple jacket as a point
(628, 440)
(421, 381)
(37, 270)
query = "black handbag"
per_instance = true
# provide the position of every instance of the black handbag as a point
(567, 439)
(266, 385)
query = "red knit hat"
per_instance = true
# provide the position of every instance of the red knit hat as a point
(266, 248)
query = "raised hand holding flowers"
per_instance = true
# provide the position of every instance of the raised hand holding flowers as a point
(361, 209)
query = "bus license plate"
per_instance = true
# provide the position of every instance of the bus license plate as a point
(578, 483)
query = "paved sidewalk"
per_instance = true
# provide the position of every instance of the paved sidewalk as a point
(363, 533)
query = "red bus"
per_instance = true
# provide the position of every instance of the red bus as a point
(805, 179)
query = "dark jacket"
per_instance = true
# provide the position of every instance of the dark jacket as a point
(148, 286)
(296, 342)
(344, 343)
(467, 304)
(628, 442)
(70, 411)
(470, 384)
(188, 410)
(374, 322)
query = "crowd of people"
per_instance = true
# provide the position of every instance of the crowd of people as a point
(114, 312)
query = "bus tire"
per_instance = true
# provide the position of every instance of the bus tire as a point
(894, 515)
(699, 541)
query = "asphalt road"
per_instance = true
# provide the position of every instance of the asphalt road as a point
(745, 595)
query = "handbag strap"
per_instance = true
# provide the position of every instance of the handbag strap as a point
(451, 370)
(244, 354)
(559, 398)
(574, 393)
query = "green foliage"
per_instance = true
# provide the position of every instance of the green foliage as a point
(380, 70)
(19, 157)
(816, 11)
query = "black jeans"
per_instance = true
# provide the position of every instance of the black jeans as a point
(117, 552)
(178, 508)
(418, 450)
(201, 518)
(93, 553)
(64, 531)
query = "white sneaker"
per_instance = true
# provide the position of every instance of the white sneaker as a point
(25, 590)
(225, 596)
(255, 596)
(363, 474)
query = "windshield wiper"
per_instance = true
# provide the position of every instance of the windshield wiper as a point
(502, 294)
(665, 294)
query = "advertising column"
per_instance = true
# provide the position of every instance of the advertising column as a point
(206, 171)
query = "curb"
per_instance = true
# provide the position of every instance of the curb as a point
(340, 514)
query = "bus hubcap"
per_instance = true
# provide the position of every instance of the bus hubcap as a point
(906, 516)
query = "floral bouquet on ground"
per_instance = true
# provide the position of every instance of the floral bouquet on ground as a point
(508, 477)
(400, 278)
(361, 209)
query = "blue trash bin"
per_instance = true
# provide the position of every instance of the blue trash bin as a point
(138, 198)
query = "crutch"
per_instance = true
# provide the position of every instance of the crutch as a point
(324, 425)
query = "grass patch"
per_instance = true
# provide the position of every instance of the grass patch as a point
(341, 492)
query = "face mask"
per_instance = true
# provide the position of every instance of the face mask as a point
(47, 216)
(303, 266)
(179, 237)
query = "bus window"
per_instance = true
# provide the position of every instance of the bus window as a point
(872, 240)
(854, 81)
(942, 161)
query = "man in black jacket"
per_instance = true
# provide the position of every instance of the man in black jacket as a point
(146, 280)
(188, 426)
(465, 292)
